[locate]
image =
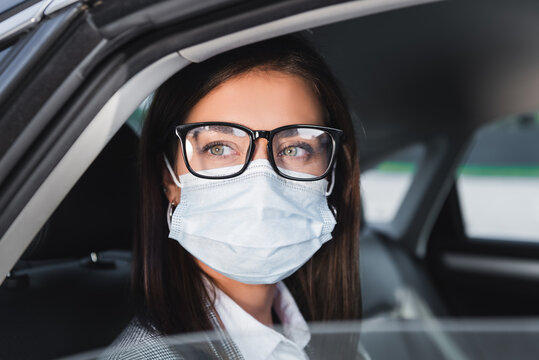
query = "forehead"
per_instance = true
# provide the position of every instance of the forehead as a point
(260, 100)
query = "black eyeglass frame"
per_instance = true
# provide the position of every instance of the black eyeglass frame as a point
(335, 134)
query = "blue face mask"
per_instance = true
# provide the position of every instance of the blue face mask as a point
(256, 228)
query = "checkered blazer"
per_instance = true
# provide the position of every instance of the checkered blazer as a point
(137, 342)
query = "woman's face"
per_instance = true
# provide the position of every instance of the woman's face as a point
(259, 100)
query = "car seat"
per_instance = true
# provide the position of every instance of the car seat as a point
(395, 289)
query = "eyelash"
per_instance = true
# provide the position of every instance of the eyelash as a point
(303, 146)
(210, 145)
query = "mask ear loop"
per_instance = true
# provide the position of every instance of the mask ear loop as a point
(174, 178)
(332, 183)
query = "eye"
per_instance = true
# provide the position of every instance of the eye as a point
(219, 150)
(293, 151)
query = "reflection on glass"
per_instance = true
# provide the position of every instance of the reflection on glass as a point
(378, 338)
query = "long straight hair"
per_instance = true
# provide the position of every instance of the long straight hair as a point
(168, 286)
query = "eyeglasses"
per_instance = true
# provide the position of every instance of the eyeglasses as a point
(220, 150)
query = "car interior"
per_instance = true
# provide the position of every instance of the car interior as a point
(429, 76)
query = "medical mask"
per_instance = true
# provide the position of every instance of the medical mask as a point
(256, 228)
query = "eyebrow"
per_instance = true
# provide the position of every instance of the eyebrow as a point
(289, 132)
(303, 133)
(217, 128)
(220, 128)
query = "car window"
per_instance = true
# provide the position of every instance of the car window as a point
(4, 53)
(498, 183)
(8, 52)
(385, 185)
(136, 119)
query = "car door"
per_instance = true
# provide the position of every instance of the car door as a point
(484, 248)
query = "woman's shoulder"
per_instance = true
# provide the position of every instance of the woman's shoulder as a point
(137, 341)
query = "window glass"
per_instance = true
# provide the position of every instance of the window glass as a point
(8, 52)
(383, 187)
(3, 53)
(498, 183)
(136, 120)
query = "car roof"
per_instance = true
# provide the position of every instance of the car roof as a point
(13, 6)
(444, 68)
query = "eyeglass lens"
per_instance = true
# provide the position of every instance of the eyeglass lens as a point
(220, 150)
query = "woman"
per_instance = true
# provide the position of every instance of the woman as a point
(249, 209)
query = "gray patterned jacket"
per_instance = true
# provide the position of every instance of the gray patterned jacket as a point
(137, 342)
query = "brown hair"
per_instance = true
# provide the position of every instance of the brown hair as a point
(170, 295)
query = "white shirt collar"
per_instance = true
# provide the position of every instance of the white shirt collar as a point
(256, 340)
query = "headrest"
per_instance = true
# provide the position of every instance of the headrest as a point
(99, 212)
